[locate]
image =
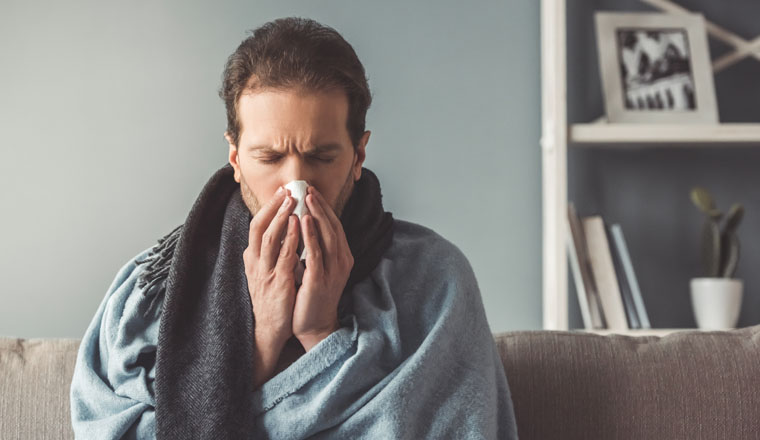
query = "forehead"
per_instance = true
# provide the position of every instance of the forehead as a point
(293, 115)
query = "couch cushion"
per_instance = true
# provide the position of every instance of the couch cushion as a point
(685, 385)
(35, 378)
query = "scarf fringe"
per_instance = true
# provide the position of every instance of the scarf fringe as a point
(157, 270)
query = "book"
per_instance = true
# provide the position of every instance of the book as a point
(630, 276)
(588, 299)
(625, 290)
(580, 288)
(603, 271)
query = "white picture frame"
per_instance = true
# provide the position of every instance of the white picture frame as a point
(672, 79)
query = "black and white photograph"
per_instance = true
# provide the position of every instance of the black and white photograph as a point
(655, 69)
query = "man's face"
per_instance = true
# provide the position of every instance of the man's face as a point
(291, 135)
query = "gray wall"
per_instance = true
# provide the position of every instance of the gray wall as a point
(646, 190)
(110, 125)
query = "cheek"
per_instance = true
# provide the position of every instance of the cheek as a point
(327, 188)
(262, 184)
(256, 172)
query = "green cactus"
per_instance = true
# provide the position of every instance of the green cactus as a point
(720, 249)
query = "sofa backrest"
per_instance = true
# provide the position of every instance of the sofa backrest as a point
(35, 377)
(686, 385)
(564, 385)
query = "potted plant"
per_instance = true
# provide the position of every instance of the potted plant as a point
(717, 297)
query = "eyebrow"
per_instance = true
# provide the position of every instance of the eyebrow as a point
(324, 148)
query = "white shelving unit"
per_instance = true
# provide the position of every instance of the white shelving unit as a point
(656, 134)
(557, 136)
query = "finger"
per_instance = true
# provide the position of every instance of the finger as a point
(270, 240)
(343, 253)
(323, 224)
(314, 260)
(325, 235)
(337, 254)
(288, 258)
(334, 220)
(262, 219)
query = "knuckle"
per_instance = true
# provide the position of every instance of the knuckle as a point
(249, 262)
(271, 277)
(286, 252)
(258, 226)
(292, 232)
(268, 238)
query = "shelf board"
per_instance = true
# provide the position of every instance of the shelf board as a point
(609, 134)
(638, 331)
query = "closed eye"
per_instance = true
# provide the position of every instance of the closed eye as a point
(323, 159)
(274, 159)
(269, 161)
(277, 158)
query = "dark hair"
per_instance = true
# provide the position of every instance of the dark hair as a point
(296, 53)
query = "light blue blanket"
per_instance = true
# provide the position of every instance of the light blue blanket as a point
(416, 360)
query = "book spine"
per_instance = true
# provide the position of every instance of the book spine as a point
(581, 249)
(580, 289)
(604, 273)
(625, 259)
(625, 291)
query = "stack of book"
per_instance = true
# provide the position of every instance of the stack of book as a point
(608, 293)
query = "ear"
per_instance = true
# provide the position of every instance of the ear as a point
(360, 153)
(233, 156)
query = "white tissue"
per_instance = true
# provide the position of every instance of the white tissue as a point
(298, 192)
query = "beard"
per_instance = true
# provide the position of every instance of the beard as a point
(253, 204)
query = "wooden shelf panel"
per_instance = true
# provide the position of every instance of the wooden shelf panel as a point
(676, 134)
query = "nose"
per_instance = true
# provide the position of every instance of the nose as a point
(294, 169)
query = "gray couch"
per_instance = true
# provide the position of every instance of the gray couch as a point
(565, 385)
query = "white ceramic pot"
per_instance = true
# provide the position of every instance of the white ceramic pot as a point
(716, 302)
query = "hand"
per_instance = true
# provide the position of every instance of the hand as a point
(269, 269)
(328, 266)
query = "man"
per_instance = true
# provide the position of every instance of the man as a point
(209, 334)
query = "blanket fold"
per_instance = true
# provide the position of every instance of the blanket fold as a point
(415, 360)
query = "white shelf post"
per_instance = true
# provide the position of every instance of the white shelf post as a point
(554, 163)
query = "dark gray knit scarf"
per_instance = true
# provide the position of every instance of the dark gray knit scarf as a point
(204, 358)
